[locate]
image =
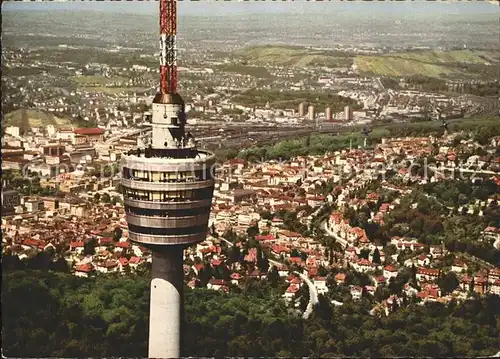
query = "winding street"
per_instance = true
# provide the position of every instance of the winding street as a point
(497, 246)
(313, 295)
(313, 291)
(333, 234)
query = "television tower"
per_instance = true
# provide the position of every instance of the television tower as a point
(167, 189)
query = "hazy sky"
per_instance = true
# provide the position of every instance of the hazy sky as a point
(211, 7)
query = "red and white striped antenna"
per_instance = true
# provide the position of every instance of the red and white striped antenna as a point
(168, 46)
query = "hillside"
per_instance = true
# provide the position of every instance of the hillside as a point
(455, 63)
(54, 314)
(33, 118)
(293, 56)
(429, 63)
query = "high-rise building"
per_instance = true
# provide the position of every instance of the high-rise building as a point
(10, 200)
(348, 115)
(328, 114)
(310, 113)
(167, 189)
(302, 109)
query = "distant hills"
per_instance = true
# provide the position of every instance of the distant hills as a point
(457, 63)
(454, 63)
(293, 56)
(25, 119)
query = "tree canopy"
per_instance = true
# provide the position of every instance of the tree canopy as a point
(57, 314)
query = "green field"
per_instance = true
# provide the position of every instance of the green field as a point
(456, 63)
(22, 71)
(33, 118)
(426, 63)
(256, 71)
(102, 84)
(443, 57)
(88, 80)
(395, 66)
(113, 90)
(291, 99)
(293, 56)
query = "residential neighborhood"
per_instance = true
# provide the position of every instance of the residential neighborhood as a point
(297, 213)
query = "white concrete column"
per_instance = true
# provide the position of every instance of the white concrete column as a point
(166, 310)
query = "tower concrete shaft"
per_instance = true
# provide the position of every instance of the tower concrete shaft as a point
(166, 313)
(167, 190)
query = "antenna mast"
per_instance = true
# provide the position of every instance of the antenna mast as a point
(168, 46)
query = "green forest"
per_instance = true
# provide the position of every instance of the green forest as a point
(55, 314)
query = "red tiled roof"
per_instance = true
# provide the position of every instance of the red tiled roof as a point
(268, 237)
(105, 240)
(89, 131)
(365, 262)
(296, 260)
(280, 249)
(198, 266)
(340, 277)
(251, 256)
(390, 268)
(30, 242)
(110, 264)
(358, 231)
(123, 261)
(86, 268)
(134, 260)
(217, 282)
(122, 244)
(216, 262)
(428, 271)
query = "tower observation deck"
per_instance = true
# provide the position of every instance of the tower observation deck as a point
(167, 189)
